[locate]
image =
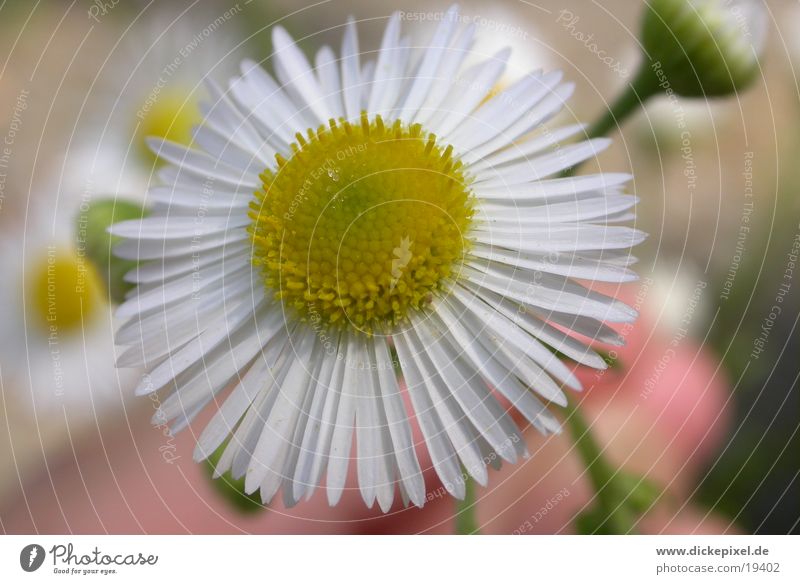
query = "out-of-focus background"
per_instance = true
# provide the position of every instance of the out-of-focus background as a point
(703, 401)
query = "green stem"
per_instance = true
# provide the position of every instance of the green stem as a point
(642, 88)
(611, 499)
(602, 475)
(466, 520)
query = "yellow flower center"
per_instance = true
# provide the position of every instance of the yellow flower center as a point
(171, 114)
(65, 291)
(363, 223)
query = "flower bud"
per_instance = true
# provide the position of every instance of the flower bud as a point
(93, 222)
(705, 47)
(230, 489)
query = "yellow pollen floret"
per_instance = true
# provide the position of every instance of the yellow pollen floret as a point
(363, 223)
(65, 291)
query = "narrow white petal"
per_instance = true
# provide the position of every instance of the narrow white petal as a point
(352, 88)
(472, 394)
(327, 388)
(528, 147)
(231, 411)
(375, 464)
(443, 80)
(544, 165)
(578, 300)
(456, 423)
(491, 369)
(550, 104)
(328, 75)
(467, 93)
(399, 428)
(341, 441)
(444, 458)
(432, 57)
(539, 191)
(265, 470)
(300, 76)
(386, 68)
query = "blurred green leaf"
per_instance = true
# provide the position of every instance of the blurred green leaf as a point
(230, 489)
(92, 232)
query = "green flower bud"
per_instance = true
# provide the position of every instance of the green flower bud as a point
(705, 47)
(93, 223)
(231, 489)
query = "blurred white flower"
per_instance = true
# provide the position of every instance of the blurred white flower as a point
(56, 335)
(151, 85)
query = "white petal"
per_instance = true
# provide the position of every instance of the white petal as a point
(528, 147)
(500, 111)
(562, 263)
(432, 57)
(399, 428)
(448, 69)
(341, 441)
(549, 189)
(443, 456)
(328, 75)
(456, 424)
(471, 393)
(375, 465)
(550, 103)
(328, 384)
(200, 163)
(300, 76)
(544, 165)
(561, 237)
(577, 301)
(231, 411)
(222, 115)
(352, 88)
(467, 92)
(387, 68)
(269, 456)
(493, 372)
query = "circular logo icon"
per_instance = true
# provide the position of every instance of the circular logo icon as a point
(31, 557)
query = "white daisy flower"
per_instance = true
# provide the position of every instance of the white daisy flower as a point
(56, 335)
(391, 210)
